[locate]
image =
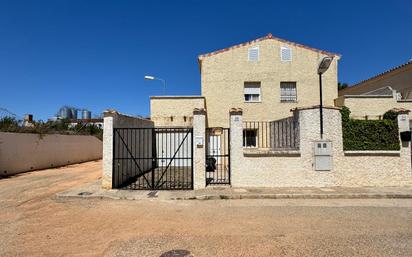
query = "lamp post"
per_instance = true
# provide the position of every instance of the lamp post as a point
(323, 67)
(154, 78)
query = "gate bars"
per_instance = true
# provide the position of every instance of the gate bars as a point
(153, 158)
(217, 156)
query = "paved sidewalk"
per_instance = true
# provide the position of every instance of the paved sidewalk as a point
(216, 193)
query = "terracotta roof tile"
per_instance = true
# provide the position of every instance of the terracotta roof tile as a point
(268, 36)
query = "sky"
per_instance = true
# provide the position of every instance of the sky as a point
(95, 54)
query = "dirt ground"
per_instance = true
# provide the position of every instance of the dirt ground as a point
(34, 223)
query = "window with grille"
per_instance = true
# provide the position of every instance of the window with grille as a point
(286, 54)
(252, 91)
(288, 92)
(253, 54)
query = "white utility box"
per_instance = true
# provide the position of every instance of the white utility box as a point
(323, 155)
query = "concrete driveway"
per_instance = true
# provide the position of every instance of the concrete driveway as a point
(34, 223)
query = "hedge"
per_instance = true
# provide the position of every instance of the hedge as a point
(370, 134)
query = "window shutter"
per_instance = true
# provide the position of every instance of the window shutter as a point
(253, 54)
(252, 90)
(286, 54)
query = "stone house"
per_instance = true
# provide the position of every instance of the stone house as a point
(266, 77)
(371, 98)
(255, 124)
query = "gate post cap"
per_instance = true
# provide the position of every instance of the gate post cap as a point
(199, 111)
(400, 110)
(236, 111)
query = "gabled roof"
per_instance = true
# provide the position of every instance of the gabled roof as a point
(383, 73)
(268, 36)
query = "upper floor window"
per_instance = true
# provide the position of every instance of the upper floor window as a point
(253, 54)
(285, 54)
(288, 92)
(252, 91)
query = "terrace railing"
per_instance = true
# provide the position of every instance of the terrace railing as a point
(276, 135)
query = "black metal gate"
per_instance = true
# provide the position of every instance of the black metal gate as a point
(217, 156)
(153, 158)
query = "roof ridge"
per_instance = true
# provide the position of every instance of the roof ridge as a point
(382, 73)
(268, 36)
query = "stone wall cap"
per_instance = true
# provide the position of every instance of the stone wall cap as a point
(113, 112)
(236, 111)
(178, 97)
(401, 110)
(372, 153)
(315, 107)
(199, 111)
(366, 96)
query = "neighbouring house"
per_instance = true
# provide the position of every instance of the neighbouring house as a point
(371, 98)
(256, 124)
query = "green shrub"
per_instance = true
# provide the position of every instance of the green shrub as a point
(345, 113)
(390, 115)
(370, 134)
(9, 124)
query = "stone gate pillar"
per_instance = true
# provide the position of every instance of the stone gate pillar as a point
(199, 145)
(236, 145)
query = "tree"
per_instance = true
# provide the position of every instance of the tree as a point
(342, 85)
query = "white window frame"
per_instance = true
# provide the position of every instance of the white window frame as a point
(258, 53)
(254, 139)
(289, 98)
(256, 85)
(281, 53)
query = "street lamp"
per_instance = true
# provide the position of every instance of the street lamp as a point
(323, 67)
(154, 78)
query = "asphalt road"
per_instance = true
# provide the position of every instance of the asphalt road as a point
(34, 223)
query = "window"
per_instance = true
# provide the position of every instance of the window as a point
(249, 138)
(288, 92)
(285, 54)
(253, 54)
(252, 91)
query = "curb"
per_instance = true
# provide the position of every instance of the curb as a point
(298, 196)
(61, 196)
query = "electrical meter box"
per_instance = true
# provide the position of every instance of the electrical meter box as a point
(323, 155)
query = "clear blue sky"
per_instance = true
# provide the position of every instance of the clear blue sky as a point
(94, 54)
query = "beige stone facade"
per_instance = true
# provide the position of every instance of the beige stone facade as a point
(223, 77)
(225, 72)
(371, 107)
(174, 111)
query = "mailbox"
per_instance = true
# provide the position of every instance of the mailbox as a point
(323, 155)
(406, 136)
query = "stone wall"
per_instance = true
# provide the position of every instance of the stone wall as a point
(371, 106)
(297, 169)
(113, 119)
(21, 152)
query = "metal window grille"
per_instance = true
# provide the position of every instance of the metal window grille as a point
(277, 135)
(288, 92)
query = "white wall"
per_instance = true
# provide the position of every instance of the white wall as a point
(359, 168)
(20, 152)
